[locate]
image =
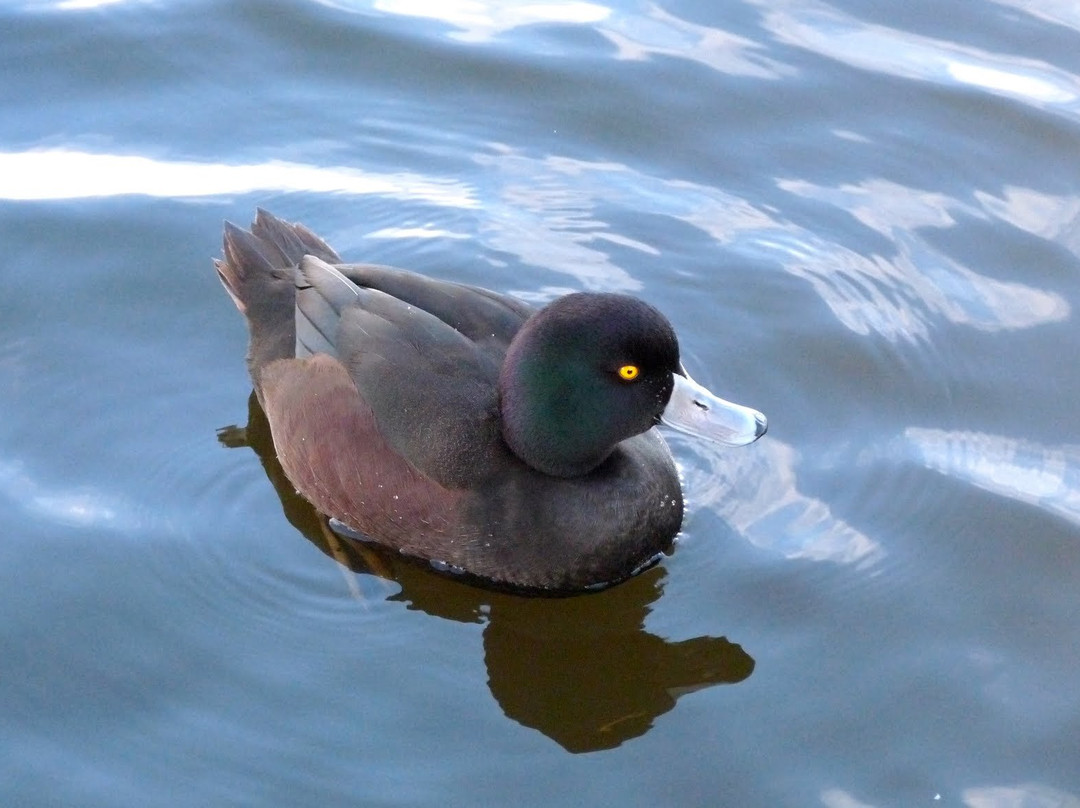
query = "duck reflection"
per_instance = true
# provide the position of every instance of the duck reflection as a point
(582, 670)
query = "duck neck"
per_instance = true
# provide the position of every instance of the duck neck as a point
(549, 419)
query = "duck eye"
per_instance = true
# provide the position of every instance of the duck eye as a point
(629, 372)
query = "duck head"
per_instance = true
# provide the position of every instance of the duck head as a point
(590, 370)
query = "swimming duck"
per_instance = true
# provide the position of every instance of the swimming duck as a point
(463, 427)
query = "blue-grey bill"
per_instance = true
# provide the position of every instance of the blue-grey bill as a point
(695, 410)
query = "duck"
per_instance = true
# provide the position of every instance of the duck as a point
(513, 446)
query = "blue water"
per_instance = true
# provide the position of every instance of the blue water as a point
(864, 220)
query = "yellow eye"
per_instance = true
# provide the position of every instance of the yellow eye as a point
(629, 372)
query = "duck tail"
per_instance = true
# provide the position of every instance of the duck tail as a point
(257, 271)
(252, 258)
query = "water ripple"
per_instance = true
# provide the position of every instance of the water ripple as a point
(1053, 217)
(656, 32)
(1025, 471)
(899, 296)
(73, 505)
(642, 34)
(824, 30)
(1023, 795)
(1065, 13)
(757, 492)
(544, 211)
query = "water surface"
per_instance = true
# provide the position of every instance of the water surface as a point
(864, 220)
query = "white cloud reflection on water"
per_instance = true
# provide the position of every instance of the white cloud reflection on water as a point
(643, 33)
(71, 174)
(75, 5)
(1026, 795)
(775, 515)
(875, 293)
(839, 798)
(545, 213)
(1047, 477)
(480, 21)
(656, 32)
(78, 506)
(1048, 216)
(1061, 12)
(835, 35)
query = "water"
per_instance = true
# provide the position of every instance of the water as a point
(864, 219)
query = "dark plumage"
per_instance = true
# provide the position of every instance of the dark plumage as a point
(463, 427)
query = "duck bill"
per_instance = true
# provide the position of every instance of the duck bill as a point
(696, 411)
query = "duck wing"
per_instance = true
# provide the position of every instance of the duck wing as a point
(487, 318)
(425, 363)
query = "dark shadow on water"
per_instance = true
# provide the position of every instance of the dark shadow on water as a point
(582, 670)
